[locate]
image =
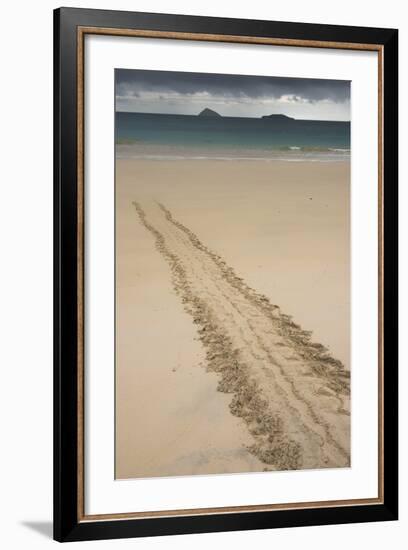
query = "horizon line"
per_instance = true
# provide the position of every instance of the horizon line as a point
(229, 116)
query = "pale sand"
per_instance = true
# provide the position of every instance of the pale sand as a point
(284, 228)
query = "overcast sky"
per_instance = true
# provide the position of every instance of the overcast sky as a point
(231, 95)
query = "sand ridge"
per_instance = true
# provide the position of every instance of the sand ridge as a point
(292, 395)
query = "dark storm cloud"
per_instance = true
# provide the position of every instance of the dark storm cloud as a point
(133, 82)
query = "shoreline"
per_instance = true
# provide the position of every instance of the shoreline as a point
(159, 152)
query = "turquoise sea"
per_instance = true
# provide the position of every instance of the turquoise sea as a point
(159, 136)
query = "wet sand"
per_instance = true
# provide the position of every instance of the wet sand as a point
(198, 281)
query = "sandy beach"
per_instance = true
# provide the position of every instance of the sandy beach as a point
(232, 316)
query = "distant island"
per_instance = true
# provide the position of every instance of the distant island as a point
(279, 117)
(209, 112)
(274, 117)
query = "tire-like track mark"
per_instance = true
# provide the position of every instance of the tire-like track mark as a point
(293, 396)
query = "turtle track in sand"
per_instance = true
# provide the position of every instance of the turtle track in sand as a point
(292, 395)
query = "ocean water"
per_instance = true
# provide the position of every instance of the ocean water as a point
(172, 137)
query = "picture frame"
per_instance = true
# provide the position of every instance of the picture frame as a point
(72, 522)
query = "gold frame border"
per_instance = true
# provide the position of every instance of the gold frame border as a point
(81, 33)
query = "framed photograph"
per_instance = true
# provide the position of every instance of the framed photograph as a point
(225, 274)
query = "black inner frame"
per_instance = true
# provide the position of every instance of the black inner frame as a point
(66, 524)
